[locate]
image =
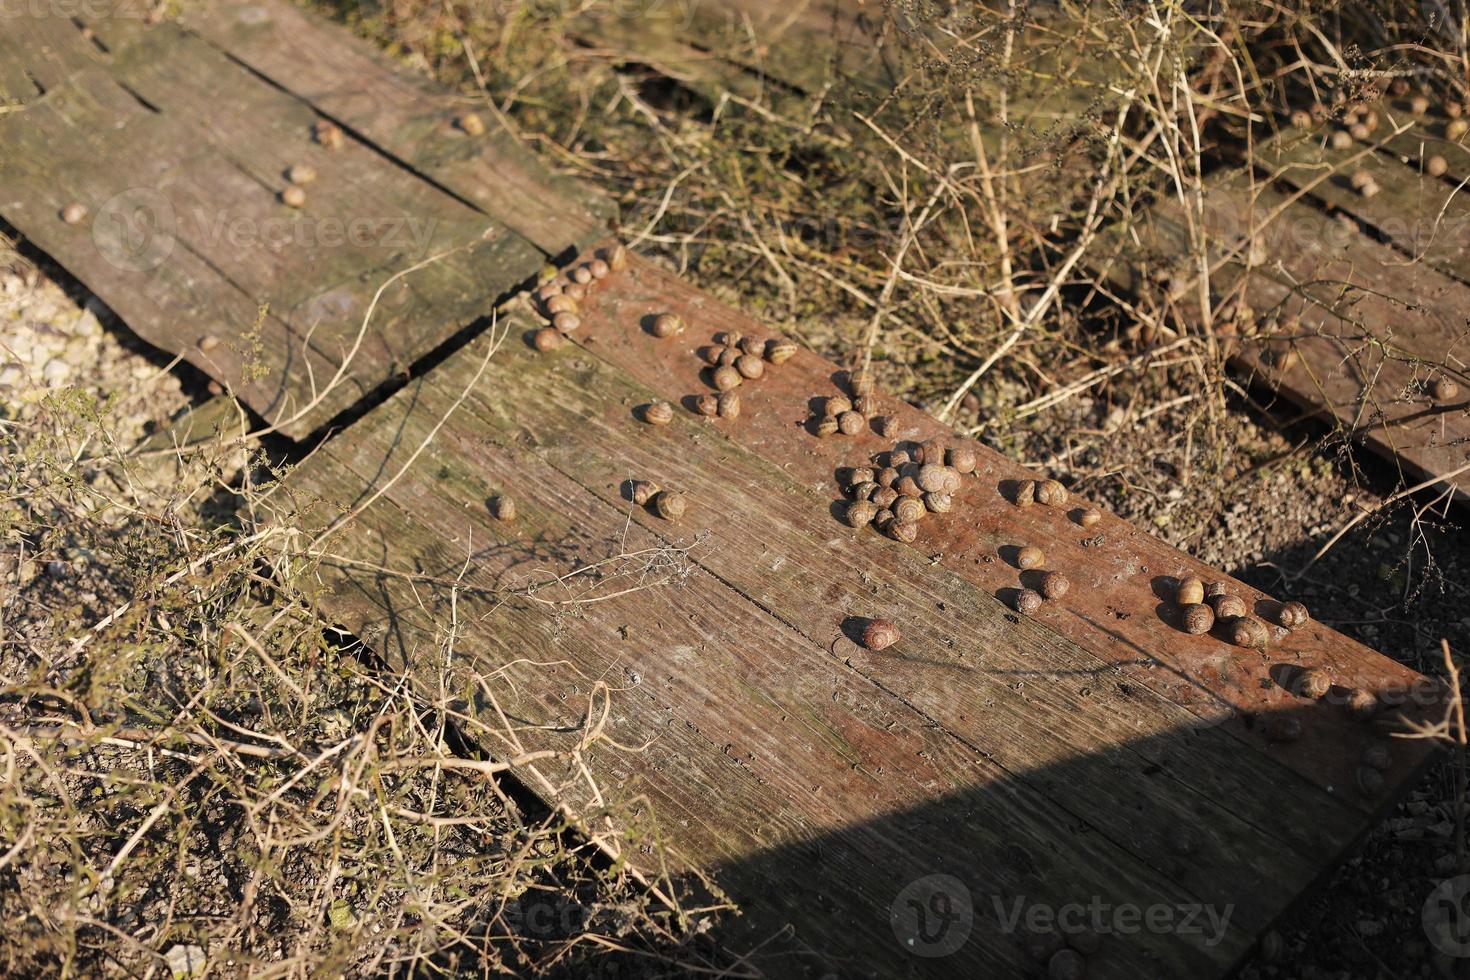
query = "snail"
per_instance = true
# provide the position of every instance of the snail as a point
(750, 366)
(899, 457)
(1341, 140)
(543, 295)
(1370, 781)
(931, 478)
(1051, 493)
(1229, 606)
(707, 404)
(961, 459)
(670, 504)
(658, 413)
(837, 404)
(581, 275)
(1361, 132)
(599, 269)
(861, 382)
(726, 378)
(74, 213)
(861, 512)
(882, 518)
(727, 405)
(1292, 615)
(547, 338)
(879, 634)
(644, 491)
(1287, 359)
(865, 490)
(1300, 118)
(908, 487)
(1025, 493)
(730, 338)
(861, 474)
(1198, 619)
(727, 357)
(905, 531)
(1456, 128)
(826, 426)
(1370, 189)
(1244, 631)
(1027, 602)
(1360, 179)
(617, 258)
(884, 497)
(505, 509)
(208, 343)
(939, 503)
(1419, 105)
(1066, 964)
(1054, 585)
(1377, 757)
(561, 303)
(576, 291)
(1444, 390)
(1089, 516)
(1283, 729)
(887, 476)
(1361, 704)
(301, 173)
(1436, 166)
(566, 322)
(329, 134)
(1313, 684)
(753, 346)
(1191, 591)
(667, 324)
(909, 509)
(886, 426)
(1452, 108)
(851, 423)
(1029, 557)
(293, 197)
(779, 351)
(470, 123)
(865, 405)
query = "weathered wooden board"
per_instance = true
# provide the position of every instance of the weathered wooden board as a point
(1093, 736)
(179, 153)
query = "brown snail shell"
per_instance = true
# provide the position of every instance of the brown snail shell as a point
(1245, 631)
(1361, 704)
(547, 338)
(301, 173)
(861, 474)
(599, 269)
(851, 423)
(1191, 591)
(905, 531)
(961, 459)
(899, 457)
(1029, 557)
(865, 490)
(1292, 615)
(1452, 108)
(884, 497)
(1054, 585)
(1197, 618)
(658, 413)
(1436, 166)
(504, 508)
(470, 123)
(328, 134)
(1089, 516)
(1341, 139)
(576, 291)
(670, 504)
(827, 426)
(566, 322)
(1281, 728)
(865, 405)
(908, 487)
(293, 197)
(727, 405)
(939, 503)
(879, 634)
(208, 342)
(581, 275)
(1370, 781)
(728, 357)
(667, 324)
(548, 290)
(74, 213)
(730, 338)
(1456, 129)
(909, 509)
(1027, 602)
(1051, 493)
(886, 426)
(1444, 390)
(779, 351)
(837, 404)
(707, 404)
(1229, 607)
(617, 258)
(726, 378)
(883, 518)
(931, 478)
(1025, 493)
(753, 346)
(861, 513)
(861, 382)
(644, 491)
(561, 303)
(1313, 683)
(887, 476)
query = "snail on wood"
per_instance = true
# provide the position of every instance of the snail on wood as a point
(293, 197)
(1361, 704)
(727, 405)
(861, 513)
(329, 134)
(865, 490)
(884, 497)
(887, 476)
(753, 346)
(707, 404)
(961, 459)
(931, 478)
(1197, 618)
(1089, 516)
(74, 213)
(1444, 390)
(1292, 614)
(617, 258)
(1025, 493)
(908, 487)
(861, 474)
(851, 423)
(1191, 591)
(581, 275)
(726, 378)
(1051, 493)
(644, 491)
(658, 413)
(779, 351)
(670, 504)
(504, 508)
(1246, 631)
(301, 173)
(470, 123)
(837, 404)
(879, 634)
(667, 324)
(827, 426)
(865, 405)
(1054, 585)
(750, 366)
(939, 503)
(566, 322)
(599, 269)
(909, 509)
(1030, 557)
(1436, 166)
(547, 338)
(886, 426)
(561, 303)
(905, 531)
(1027, 602)
(1313, 683)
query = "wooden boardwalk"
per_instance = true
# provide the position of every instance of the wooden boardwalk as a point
(699, 680)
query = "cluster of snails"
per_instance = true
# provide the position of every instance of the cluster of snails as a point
(560, 295)
(1360, 122)
(668, 504)
(1201, 607)
(732, 360)
(849, 414)
(1050, 493)
(902, 486)
(1051, 584)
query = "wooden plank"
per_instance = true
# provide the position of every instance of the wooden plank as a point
(406, 117)
(195, 148)
(1373, 328)
(762, 495)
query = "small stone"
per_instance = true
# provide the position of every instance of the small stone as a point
(184, 961)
